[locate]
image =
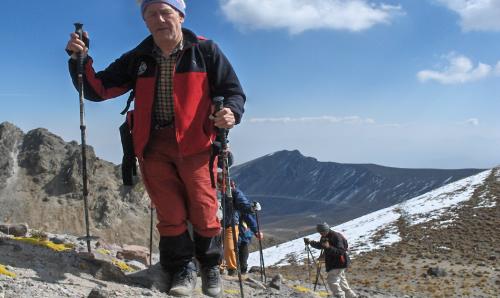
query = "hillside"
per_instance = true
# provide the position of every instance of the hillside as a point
(313, 191)
(441, 244)
(453, 232)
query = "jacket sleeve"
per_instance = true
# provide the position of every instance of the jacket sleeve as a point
(242, 204)
(223, 80)
(315, 244)
(251, 222)
(114, 81)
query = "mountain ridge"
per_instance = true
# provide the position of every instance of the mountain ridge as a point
(315, 191)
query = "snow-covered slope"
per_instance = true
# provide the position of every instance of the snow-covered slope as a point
(378, 229)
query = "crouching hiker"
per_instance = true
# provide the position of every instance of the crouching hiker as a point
(174, 75)
(335, 248)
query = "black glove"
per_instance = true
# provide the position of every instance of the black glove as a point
(307, 241)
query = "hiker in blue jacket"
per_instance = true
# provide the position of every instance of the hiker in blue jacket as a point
(247, 229)
(241, 206)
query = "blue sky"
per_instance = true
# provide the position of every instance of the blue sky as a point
(397, 83)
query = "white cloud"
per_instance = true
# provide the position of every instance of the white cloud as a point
(460, 70)
(301, 15)
(472, 122)
(480, 15)
(324, 119)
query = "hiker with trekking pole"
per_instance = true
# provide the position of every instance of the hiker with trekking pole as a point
(242, 208)
(174, 75)
(335, 251)
(249, 227)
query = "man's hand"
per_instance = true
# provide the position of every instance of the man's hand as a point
(224, 118)
(76, 45)
(307, 241)
(259, 235)
(256, 206)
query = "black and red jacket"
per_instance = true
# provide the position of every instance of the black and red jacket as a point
(201, 73)
(336, 255)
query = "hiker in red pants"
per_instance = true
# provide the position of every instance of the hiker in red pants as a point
(174, 75)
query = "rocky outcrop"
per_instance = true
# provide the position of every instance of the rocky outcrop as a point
(41, 184)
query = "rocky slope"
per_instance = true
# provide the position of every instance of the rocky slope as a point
(454, 252)
(40, 184)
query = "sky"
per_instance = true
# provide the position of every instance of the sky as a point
(413, 84)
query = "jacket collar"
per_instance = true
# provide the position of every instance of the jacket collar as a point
(147, 46)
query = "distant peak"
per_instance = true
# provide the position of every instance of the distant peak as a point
(288, 153)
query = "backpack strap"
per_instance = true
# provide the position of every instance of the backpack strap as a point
(129, 102)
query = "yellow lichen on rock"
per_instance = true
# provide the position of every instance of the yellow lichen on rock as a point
(301, 289)
(4, 271)
(122, 265)
(103, 251)
(44, 243)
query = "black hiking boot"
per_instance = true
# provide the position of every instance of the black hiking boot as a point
(210, 281)
(183, 281)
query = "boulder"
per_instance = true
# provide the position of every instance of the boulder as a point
(436, 272)
(17, 230)
(276, 282)
(134, 252)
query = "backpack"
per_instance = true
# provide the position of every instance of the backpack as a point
(344, 258)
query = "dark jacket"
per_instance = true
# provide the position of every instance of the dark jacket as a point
(336, 256)
(247, 228)
(241, 206)
(201, 73)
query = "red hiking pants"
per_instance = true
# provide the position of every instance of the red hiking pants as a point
(179, 187)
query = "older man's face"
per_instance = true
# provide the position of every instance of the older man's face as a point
(164, 22)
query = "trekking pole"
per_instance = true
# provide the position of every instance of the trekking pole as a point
(262, 266)
(308, 264)
(318, 273)
(226, 185)
(87, 238)
(318, 268)
(151, 237)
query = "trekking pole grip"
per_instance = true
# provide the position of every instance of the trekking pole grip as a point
(79, 32)
(221, 132)
(218, 103)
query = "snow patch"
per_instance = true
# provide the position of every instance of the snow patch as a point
(361, 231)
